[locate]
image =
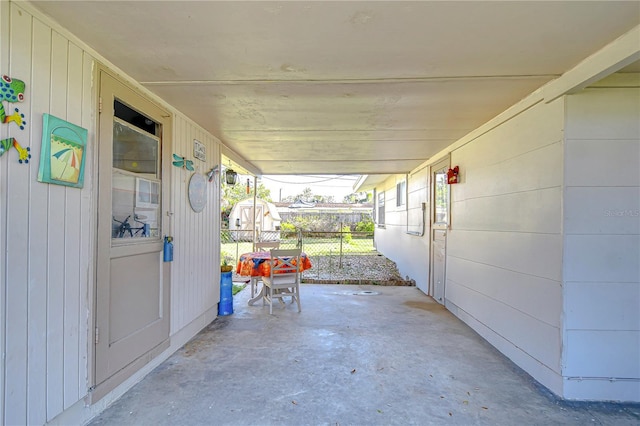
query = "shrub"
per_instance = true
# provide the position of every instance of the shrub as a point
(366, 225)
(346, 234)
(287, 230)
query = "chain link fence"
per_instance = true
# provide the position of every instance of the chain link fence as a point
(313, 243)
(336, 256)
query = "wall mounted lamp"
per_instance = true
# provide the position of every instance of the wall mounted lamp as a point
(230, 176)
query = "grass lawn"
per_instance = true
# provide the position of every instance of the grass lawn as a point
(311, 246)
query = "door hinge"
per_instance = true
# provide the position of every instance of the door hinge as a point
(97, 335)
(100, 104)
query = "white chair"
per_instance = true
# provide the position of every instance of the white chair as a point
(284, 277)
(262, 246)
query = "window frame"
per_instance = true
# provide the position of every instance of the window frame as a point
(381, 209)
(401, 193)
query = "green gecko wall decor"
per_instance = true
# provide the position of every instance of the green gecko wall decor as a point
(12, 91)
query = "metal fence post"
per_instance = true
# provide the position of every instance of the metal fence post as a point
(341, 237)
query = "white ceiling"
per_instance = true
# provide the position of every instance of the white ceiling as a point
(359, 87)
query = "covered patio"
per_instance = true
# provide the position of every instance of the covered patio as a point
(355, 355)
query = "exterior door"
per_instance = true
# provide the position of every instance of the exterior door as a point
(132, 294)
(439, 225)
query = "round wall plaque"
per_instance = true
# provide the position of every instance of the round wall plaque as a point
(197, 192)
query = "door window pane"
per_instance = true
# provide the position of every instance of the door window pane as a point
(441, 203)
(136, 184)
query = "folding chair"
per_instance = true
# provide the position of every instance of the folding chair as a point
(284, 277)
(262, 246)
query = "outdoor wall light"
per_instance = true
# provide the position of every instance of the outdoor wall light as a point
(230, 176)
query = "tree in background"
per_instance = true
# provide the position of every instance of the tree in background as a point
(308, 196)
(358, 198)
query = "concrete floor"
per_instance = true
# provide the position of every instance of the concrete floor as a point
(392, 358)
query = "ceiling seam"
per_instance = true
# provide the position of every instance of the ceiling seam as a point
(346, 80)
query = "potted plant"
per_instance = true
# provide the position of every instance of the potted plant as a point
(227, 263)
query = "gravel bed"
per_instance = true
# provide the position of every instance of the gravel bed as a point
(356, 269)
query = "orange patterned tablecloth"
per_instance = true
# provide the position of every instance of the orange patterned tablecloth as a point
(256, 264)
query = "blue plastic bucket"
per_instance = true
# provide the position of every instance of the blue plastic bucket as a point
(225, 307)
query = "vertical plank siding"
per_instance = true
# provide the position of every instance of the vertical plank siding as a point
(48, 232)
(47, 244)
(4, 68)
(38, 224)
(195, 270)
(17, 189)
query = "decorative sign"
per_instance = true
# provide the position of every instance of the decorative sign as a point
(12, 91)
(182, 162)
(197, 192)
(62, 154)
(199, 150)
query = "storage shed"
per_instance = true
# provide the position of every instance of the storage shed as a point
(264, 218)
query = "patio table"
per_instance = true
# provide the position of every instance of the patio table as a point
(256, 264)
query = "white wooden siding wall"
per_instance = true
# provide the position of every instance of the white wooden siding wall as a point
(5, 131)
(195, 273)
(417, 193)
(416, 266)
(504, 249)
(48, 230)
(393, 238)
(602, 245)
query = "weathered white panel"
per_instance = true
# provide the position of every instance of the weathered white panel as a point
(4, 60)
(601, 389)
(602, 306)
(17, 212)
(602, 244)
(529, 171)
(56, 237)
(602, 210)
(393, 238)
(537, 297)
(540, 340)
(87, 227)
(602, 162)
(535, 128)
(418, 194)
(605, 258)
(72, 242)
(542, 373)
(195, 269)
(504, 249)
(49, 233)
(531, 211)
(604, 114)
(594, 353)
(531, 254)
(38, 223)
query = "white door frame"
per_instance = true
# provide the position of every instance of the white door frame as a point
(110, 89)
(440, 219)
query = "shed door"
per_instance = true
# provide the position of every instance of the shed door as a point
(440, 223)
(250, 220)
(132, 295)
